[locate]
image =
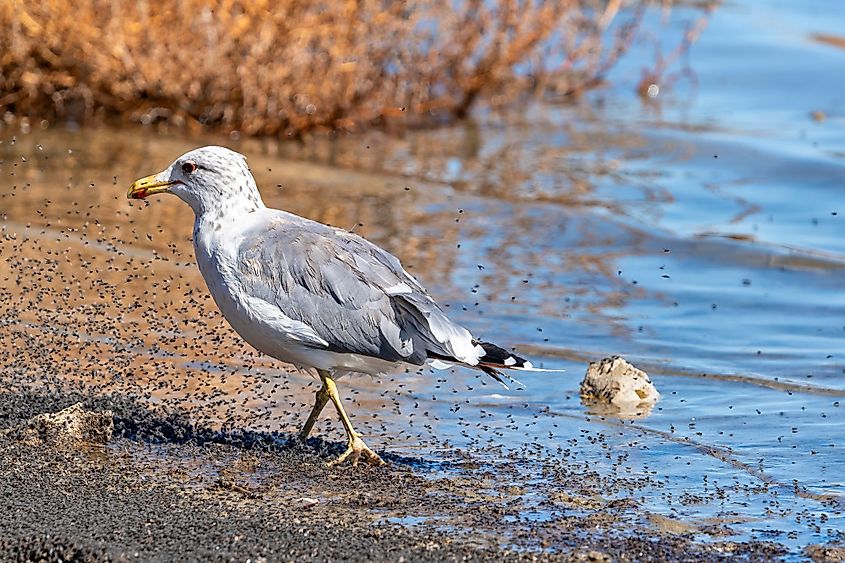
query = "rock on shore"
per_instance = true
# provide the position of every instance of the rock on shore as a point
(69, 427)
(616, 382)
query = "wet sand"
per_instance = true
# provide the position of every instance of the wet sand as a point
(165, 489)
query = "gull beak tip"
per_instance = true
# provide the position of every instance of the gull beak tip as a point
(149, 185)
(135, 192)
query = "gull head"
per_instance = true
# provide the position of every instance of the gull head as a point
(210, 180)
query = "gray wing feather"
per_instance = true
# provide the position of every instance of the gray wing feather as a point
(354, 295)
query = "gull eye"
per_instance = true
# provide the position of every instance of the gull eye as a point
(189, 167)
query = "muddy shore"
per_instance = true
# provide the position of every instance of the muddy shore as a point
(165, 489)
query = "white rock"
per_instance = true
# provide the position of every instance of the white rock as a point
(616, 382)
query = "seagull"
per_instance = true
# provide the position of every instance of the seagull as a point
(309, 294)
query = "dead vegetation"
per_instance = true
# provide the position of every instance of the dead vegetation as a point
(274, 68)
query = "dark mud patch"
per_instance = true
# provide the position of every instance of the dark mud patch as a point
(165, 488)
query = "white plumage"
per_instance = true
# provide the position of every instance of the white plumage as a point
(309, 294)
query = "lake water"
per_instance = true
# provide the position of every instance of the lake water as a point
(700, 234)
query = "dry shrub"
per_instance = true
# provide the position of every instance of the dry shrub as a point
(269, 68)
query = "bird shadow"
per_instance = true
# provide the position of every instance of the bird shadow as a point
(134, 420)
(176, 428)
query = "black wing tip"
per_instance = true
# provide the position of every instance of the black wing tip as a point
(497, 357)
(494, 358)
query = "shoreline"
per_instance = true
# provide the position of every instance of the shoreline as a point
(165, 489)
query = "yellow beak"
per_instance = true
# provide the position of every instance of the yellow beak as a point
(148, 186)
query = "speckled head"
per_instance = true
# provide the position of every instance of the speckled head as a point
(209, 179)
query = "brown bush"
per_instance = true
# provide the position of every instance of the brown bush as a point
(268, 68)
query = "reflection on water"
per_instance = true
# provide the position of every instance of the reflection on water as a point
(626, 412)
(706, 247)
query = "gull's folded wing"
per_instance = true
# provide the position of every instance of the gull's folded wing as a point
(355, 297)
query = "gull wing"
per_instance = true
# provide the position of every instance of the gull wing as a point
(353, 295)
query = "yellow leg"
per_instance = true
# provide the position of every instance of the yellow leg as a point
(322, 399)
(356, 448)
